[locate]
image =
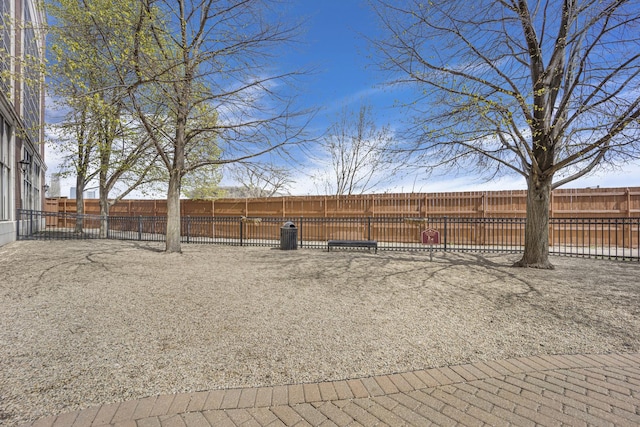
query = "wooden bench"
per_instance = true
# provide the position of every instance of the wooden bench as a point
(352, 244)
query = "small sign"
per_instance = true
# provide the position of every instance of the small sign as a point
(431, 237)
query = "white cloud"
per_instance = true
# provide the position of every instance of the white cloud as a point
(628, 176)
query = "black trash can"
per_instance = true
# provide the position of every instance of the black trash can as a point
(288, 236)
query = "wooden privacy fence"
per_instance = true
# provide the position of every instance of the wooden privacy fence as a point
(565, 203)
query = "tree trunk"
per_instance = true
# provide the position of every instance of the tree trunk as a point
(79, 205)
(103, 193)
(104, 214)
(536, 234)
(173, 213)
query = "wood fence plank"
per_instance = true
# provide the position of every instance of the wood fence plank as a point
(565, 203)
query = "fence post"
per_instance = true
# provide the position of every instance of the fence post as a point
(19, 215)
(445, 234)
(637, 220)
(368, 228)
(108, 229)
(300, 232)
(623, 235)
(140, 227)
(188, 228)
(31, 222)
(241, 231)
(617, 230)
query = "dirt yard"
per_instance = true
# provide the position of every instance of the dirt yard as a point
(90, 322)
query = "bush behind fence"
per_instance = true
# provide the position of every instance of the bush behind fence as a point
(598, 237)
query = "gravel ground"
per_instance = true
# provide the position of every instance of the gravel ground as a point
(91, 322)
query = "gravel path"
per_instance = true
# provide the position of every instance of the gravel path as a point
(92, 322)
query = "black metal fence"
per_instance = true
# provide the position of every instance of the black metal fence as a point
(613, 238)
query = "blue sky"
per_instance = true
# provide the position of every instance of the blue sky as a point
(332, 44)
(346, 77)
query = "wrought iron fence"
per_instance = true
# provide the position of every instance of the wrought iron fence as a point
(56, 226)
(613, 238)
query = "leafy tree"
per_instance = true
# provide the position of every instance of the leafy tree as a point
(89, 41)
(205, 78)
(203, 183)
(549, 90)
(356, 153)
(76, 142)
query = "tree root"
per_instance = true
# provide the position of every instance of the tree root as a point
(541, 265)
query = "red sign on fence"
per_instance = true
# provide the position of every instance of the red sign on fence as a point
(431, 237)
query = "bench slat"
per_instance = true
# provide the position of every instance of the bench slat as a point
(353, 243)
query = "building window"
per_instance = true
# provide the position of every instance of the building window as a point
(32, 79)
(30, 182)
(5, 170)
(36, 203)
(5, 46)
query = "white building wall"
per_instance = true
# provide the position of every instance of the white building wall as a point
(7, 232)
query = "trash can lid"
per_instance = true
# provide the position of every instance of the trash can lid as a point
(288, 224)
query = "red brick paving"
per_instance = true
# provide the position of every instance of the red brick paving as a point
(577, 390)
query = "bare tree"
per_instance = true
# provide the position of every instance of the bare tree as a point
(261, 180)
(205, 78)
(355, 149)
(548, 89)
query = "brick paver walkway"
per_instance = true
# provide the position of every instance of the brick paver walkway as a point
(576, 390)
